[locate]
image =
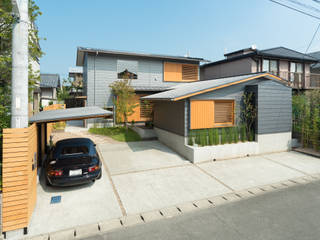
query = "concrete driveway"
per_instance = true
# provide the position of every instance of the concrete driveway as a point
(148, 175)
(79, 205)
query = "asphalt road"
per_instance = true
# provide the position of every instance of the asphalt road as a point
(292, 213)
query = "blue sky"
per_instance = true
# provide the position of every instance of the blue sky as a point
(205, 28)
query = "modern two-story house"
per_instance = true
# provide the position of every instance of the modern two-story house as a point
(150, 73)
(290, 65)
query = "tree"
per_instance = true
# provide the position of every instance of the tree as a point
(64, 92)
(124, 101)
(6, 22)
(248, 112)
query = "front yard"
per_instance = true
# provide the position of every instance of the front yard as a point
(117, 133)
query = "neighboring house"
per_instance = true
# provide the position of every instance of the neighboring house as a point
(150, 73)
(290, 65)
(49, 85)
(76, 76)
(315, 68)
(217, 104)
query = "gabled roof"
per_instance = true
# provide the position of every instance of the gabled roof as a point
(82, 50)
(192, 89)
(277, 52)
(317, 56)
(285, 53)
(49, 80)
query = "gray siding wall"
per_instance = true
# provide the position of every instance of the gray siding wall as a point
(238, 67)
(170, 116)
(273, 102)
(102, 71)
(85, 75)
(274, 108)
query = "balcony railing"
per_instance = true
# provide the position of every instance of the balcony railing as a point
(300, 80)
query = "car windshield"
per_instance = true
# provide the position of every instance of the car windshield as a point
(73, 150)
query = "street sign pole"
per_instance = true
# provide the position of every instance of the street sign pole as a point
(19, 89)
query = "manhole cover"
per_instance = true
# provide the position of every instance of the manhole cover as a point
(55, 199)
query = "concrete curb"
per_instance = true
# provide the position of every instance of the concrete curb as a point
(173, 211)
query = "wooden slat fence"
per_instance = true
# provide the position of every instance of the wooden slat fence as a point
(50, 125)
(19, 175)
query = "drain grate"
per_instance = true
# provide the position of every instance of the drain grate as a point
(55, 199)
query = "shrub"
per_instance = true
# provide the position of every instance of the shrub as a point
(223, 136)
(229, 135)
(315, 129)
(236, 135)
(190, 138)
(243, 133)
(197, 138)
(251, 135)
(203, 138)
(211, 136)
(216, 136)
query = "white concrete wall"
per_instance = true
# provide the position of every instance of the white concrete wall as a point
(175, 142)
(218, 152)
(274, 142)
(265, 143)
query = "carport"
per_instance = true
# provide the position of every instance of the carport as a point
(23, 152)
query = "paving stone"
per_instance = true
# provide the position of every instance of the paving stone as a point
(267, 188)
(187, 207)
(291, 183)
(62, 235)
(244, 194)
(131, 220)
(109, 225)
(255, 190)
(151, 216)
(309, 178)
(218, 200)
(316, 176)
(278, 185)
(204, 203)
(231, 197)
(87, 230)
(39, 237)
(301, 180)
(170, 212)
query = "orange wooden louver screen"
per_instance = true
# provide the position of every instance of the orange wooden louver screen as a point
(223, 112)
(201, 114)
(189, 72)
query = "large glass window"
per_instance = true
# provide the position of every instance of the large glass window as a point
(265, 65)
(273, 66)
(127, 69)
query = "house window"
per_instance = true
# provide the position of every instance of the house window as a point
(223, 112)
(127, 69)
(189, 72)
(270, 65)
(146, 109)
(178, 72)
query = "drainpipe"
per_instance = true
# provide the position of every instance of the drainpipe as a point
(19, 94)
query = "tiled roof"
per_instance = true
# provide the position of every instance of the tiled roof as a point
(49, 80)
(285, 53)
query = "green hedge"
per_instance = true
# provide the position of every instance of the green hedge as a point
(219, 136)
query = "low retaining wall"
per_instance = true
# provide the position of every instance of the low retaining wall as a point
(266, 143)
(145, 133)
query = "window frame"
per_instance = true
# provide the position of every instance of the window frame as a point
(224, 124)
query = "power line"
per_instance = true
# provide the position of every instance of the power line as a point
(295, 9)
(314, 35)
(305, 5)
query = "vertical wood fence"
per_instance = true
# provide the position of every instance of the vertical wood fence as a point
(19, 174)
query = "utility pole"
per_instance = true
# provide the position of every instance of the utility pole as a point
(19, 89)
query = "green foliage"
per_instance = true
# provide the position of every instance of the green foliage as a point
(64, 92)
(315, 129)
(243, 133)
(211, 136)
(197, 137)
(223, 136)
(236, 134)
(216, 136)
(120, 134)
(203, 138)
(248, 112)
(229, 135)
(124, 100)
(6, 22)
(190, 138)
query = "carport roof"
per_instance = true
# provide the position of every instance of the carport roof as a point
(69, 114)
